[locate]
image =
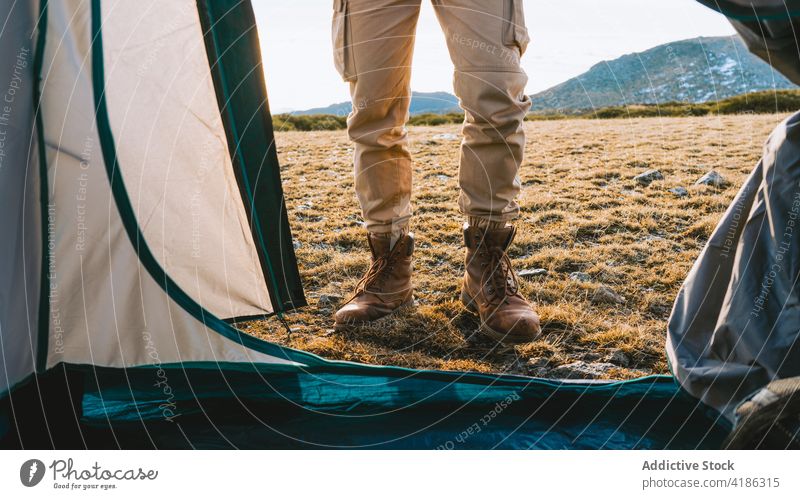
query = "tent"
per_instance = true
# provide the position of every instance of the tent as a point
(734, 326)
(143, 218)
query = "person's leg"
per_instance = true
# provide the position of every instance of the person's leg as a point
(373, 46)
(486, 41)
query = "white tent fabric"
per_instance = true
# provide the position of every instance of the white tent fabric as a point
(174, 154)
(104, 306)
(112, 310)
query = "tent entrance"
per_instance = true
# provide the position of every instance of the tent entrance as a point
(161, 219)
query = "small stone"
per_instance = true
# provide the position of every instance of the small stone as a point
(619, 358)
(713, 179)
(443, 178)
(539, 367)
(604, 294)
(329, 300)
(681, 192)
(531, 273)
(582, 370)
(297, 245)
(538, 362)
(659, 309)
(648, 177)
(446, 136)
(580, 276)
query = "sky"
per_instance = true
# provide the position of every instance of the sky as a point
(567, 38)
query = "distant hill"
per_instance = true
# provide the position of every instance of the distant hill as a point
(421, 102)
(695, 70)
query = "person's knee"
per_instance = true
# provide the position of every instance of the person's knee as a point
(494, 98)
(378, 121)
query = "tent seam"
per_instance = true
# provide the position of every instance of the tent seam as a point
(44, 195)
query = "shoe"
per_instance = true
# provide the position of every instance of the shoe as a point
(769, 419)
(385, 288)
(490, 288)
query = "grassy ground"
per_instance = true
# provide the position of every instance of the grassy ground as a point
(581, 212)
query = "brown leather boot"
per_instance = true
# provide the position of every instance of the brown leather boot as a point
(386, 285)
(490, 287)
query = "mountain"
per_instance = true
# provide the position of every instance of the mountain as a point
(421, 102)
(694, 70)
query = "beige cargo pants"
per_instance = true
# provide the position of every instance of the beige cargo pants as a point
(373, 43)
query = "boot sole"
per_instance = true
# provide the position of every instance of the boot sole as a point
(505, 339)
(339, 327)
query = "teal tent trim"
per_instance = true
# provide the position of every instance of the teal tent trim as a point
(266, 406)
(43, 333)
(384, 410)
(232, 47)
(241, 405)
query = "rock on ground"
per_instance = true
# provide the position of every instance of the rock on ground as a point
(329, 300)
(539, 367)
(619, 358)
(446, 136)
(582, 370)
(648, 177)
(580, 276)
(713, 179)
(531, 273)
(604, 294)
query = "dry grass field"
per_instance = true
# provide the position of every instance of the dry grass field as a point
(584, 219)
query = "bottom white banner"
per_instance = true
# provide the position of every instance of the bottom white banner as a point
(355, 474)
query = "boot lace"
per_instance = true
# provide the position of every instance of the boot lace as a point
(498, 277)
(377, 273)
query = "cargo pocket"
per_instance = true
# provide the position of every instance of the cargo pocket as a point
(342, 48)
(515, 34)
